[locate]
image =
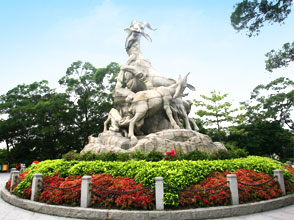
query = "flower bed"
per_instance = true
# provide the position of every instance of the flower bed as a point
(221, 195)
(180, 174)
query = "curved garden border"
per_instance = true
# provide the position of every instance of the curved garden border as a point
(199, 213)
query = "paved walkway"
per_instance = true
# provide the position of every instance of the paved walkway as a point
(9, 212)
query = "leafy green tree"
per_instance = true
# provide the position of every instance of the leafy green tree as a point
(215, 111)
(2, 155)
(268, 126)
(273, 102)
(43, 124)
(280, 58)
(90, 88)
(263, 138)
(38, 124)
(251, 15)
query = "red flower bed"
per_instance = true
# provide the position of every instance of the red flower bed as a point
(142, 199)
(214, 197)
(289, 187)
(256, 193)
(221, 195)
(22, 176)
(109, 192)
(8, 184)
(101, 197)
(70, 196)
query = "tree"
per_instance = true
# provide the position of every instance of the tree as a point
(42, 124)
(263, 138)
(268, 126)
(38, 124)
(272, 102)
(215, 111)
(90, 87)
(252, 14)
(280, 58)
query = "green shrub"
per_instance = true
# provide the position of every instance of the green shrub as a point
(138, 155)
(239, 153)
(197, 155)
(154, 156)
(223, 154)
(107, 156)
(88, 156)
(123, 156)
(71, 155)
(157, 156)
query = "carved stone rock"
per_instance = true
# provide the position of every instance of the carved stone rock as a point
(157, 122)
(162, 141)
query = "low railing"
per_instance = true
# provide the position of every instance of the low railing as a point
(87, 189)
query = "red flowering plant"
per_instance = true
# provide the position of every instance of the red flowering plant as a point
(22, 176)
(259, 190)
(174, 154)
(8, 184)
(67, 191)
(289, 187)
(221, 195)
(58, 190)
(194, 196)
(28, 191)
(111, 193)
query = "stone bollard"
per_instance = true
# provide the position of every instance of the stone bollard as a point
(14, 178)
(35, 185)
(159, 193)
(233, 184)
(12, 169)
(85, 191)
(289, 163)
(278, 174)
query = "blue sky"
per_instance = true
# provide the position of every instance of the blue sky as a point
(39, 39)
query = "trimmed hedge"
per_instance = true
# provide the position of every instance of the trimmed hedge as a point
(155, 156)
(176, 173)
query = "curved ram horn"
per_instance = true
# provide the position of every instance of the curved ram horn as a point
(146, 24)
(185, 78)
(133, 22)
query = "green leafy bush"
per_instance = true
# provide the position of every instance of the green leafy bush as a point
(107, 156)
(157, 156)
(197, 155)
(154, 156)
(223, 154)
(123, 157)
(138, 155)
(71, 155)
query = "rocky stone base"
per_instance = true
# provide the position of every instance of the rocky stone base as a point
(162, 141)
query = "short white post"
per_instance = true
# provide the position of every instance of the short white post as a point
(159, 193)
(14, 178)
(35, 185)
(22, 167)
(85, 191)
(233, 184)
(278, 174)
(12, 169)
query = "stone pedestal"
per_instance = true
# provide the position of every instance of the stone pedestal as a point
(162, 141)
